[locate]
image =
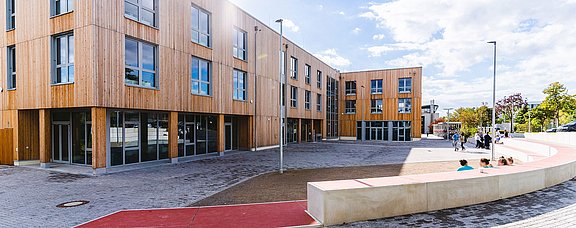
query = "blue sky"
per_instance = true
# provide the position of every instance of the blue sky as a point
(536, 41)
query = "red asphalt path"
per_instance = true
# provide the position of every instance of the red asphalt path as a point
(278, 214)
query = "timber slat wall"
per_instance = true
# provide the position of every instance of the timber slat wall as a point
(6, 147)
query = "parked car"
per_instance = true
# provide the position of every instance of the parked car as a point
(551, 130)
(570, 127)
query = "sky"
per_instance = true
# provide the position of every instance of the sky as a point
(536, 41)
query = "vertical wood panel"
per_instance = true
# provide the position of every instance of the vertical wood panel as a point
(99, 138)
(6, 147)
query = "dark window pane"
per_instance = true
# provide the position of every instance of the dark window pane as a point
(148, 79)
(147, 17)
(131, 54)
(131, 10)
(148, 4)
(148, 57)
(131, 76)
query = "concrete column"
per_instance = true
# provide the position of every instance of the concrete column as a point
(99, 141)
(250, 133)
(173, 137)
(313, 131)
(221, 134)
(299, 131)
(45, 130)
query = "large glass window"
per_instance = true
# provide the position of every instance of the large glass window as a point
(293, 97)
(201, 26)
(376, 106)
(239, 82)
(61, 6)
(319, 79)
(63, 59)
(307, 73)
(307, 98)
(404, 105)
(405, 85)
(350, 88)
(140, 63)
(201, 77)
(319, 102)
(239, 44)
(11, 63)
(350, 107)
(141, 10)
(294, 68)
(376, 86)
(10, 15)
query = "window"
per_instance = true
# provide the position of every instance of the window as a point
(201, 77)
(293, 97)
(61, 6)
(319, 102)
(239, 44)
(350, 107)
(294, 68)
(350, 88)
(10, 15)
(307, 72)
(63, 59)
(376, 86)
(201, 27)
(404, 105)
(239, 85)
(140, 63)
(141, 10)
(405, 85)
(319, 79)
(11, 63)
(376, 106)
(307, 98)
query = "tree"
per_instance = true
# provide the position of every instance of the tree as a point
(558, 99)
(484, 115)
(510, 105)
(539, 115)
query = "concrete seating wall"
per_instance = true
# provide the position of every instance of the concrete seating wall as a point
(567, 138)
(337, 202)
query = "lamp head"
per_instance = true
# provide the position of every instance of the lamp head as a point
(279, 20)
(492, 42)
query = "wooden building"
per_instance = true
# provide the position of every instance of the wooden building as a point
(113, 83)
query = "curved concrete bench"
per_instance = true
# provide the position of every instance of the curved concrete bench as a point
(337, 202)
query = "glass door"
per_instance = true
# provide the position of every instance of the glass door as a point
(61, 142)
(190, 139)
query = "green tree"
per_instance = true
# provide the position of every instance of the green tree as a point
(539, 115)
(558, 100)
(509, 105)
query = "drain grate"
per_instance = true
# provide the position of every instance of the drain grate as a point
(73, 203)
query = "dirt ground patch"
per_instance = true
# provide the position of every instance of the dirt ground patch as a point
(291, 185)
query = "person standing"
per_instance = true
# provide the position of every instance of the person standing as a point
(487, 141)
(463, 140)
(478, 139)
(455, 140)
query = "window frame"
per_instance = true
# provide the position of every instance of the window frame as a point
(376, 90)
(405, 110)
(55, 66)
(350, 109)
(11, 80)
(374, 108)
(350, 91)
(293, 97)
(236, 49)
(235, 86)
(10, 15)
(402, 87)
(208, 34)
(293, 68)
(141, 8)
(319, 102)
(54, 3)
(140, 67)
(308, 73)
(319, 79)
(199, 80)
(307, 99)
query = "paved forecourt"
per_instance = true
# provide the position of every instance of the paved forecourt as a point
(337, 202)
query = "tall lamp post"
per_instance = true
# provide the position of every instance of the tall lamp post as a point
(494, 101)
(280, 119)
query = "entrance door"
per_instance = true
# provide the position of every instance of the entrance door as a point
(228, 137)
(61, 142)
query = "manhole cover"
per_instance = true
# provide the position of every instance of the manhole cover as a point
(72, 203)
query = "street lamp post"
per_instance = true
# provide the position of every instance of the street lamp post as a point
(280, 88)
(494, 101)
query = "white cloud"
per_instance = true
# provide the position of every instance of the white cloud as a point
(356, 30)
(378, 37)
(341, 13)
(332, 58)
(536, 44)
(289, 24)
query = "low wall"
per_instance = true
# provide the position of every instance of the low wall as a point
(568, 138)
(337, 202)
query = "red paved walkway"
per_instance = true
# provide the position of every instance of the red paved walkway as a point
(281, 214)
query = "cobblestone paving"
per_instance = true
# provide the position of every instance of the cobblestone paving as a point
(28, 197)
(551, 207)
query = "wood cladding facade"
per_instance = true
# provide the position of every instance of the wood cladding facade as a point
(100, 29)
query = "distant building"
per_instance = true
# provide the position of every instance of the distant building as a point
(428, 116)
